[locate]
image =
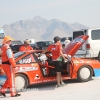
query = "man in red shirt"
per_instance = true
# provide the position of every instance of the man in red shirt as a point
(57, 56)
(8, 65)
(25, 46)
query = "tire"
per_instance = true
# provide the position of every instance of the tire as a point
(85, 73)
(21, 82)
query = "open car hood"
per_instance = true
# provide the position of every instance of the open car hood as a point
(74, 45)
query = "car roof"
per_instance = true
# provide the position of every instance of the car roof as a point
(29, 51)
(33, 51)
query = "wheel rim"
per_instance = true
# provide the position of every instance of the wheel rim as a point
(85, 73)
(19, 82)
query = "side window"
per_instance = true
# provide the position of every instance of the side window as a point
(35, 56)
(27, 59)
(95, 34)
(77, 33)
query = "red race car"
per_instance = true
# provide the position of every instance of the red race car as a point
(32, 69)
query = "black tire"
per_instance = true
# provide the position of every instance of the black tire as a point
(99, 57)
(21, 82)
(85, 73)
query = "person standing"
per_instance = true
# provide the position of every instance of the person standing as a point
(67, 41)
(8, 65)
(25, 46)
(57, 57)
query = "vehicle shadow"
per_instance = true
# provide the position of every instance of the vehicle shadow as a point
(48, 86)
(51, 85)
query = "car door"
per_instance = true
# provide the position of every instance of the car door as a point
(82, 50)
(29, 66)
(73, 46)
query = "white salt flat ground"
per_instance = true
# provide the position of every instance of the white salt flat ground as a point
(74, 90)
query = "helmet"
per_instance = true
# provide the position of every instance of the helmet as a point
(6, 39)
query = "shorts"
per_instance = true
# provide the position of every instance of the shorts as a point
(58, 66)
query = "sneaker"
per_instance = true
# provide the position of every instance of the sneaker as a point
(63, 84)
(2, 94)
(16, 95)
(58, 86)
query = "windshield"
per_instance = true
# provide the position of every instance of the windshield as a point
(18, 54)
(77, 33)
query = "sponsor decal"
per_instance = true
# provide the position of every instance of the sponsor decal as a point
(24, 61)
(76, 61)
(49, 80)
(46, 80)
(88, 62)
(39, 81)
(23, 69)
(32, 64)
(81, 61)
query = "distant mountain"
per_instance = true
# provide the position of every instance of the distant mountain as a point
(41, 29)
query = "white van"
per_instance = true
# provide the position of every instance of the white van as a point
(91, 48)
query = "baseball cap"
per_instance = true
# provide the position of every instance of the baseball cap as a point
(27, 41)
(57, 38)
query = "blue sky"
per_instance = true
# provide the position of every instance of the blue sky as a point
(85, 12)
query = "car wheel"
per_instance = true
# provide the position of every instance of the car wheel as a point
(21, 82)
(85, 73)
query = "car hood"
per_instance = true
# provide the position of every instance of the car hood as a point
(74, 45)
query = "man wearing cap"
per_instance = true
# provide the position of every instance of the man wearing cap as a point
(25, 46)
(57, 55)
(8, 64)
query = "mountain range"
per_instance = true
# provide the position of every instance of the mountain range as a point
(39, 28)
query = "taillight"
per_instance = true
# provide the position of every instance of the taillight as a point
(87, 46)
